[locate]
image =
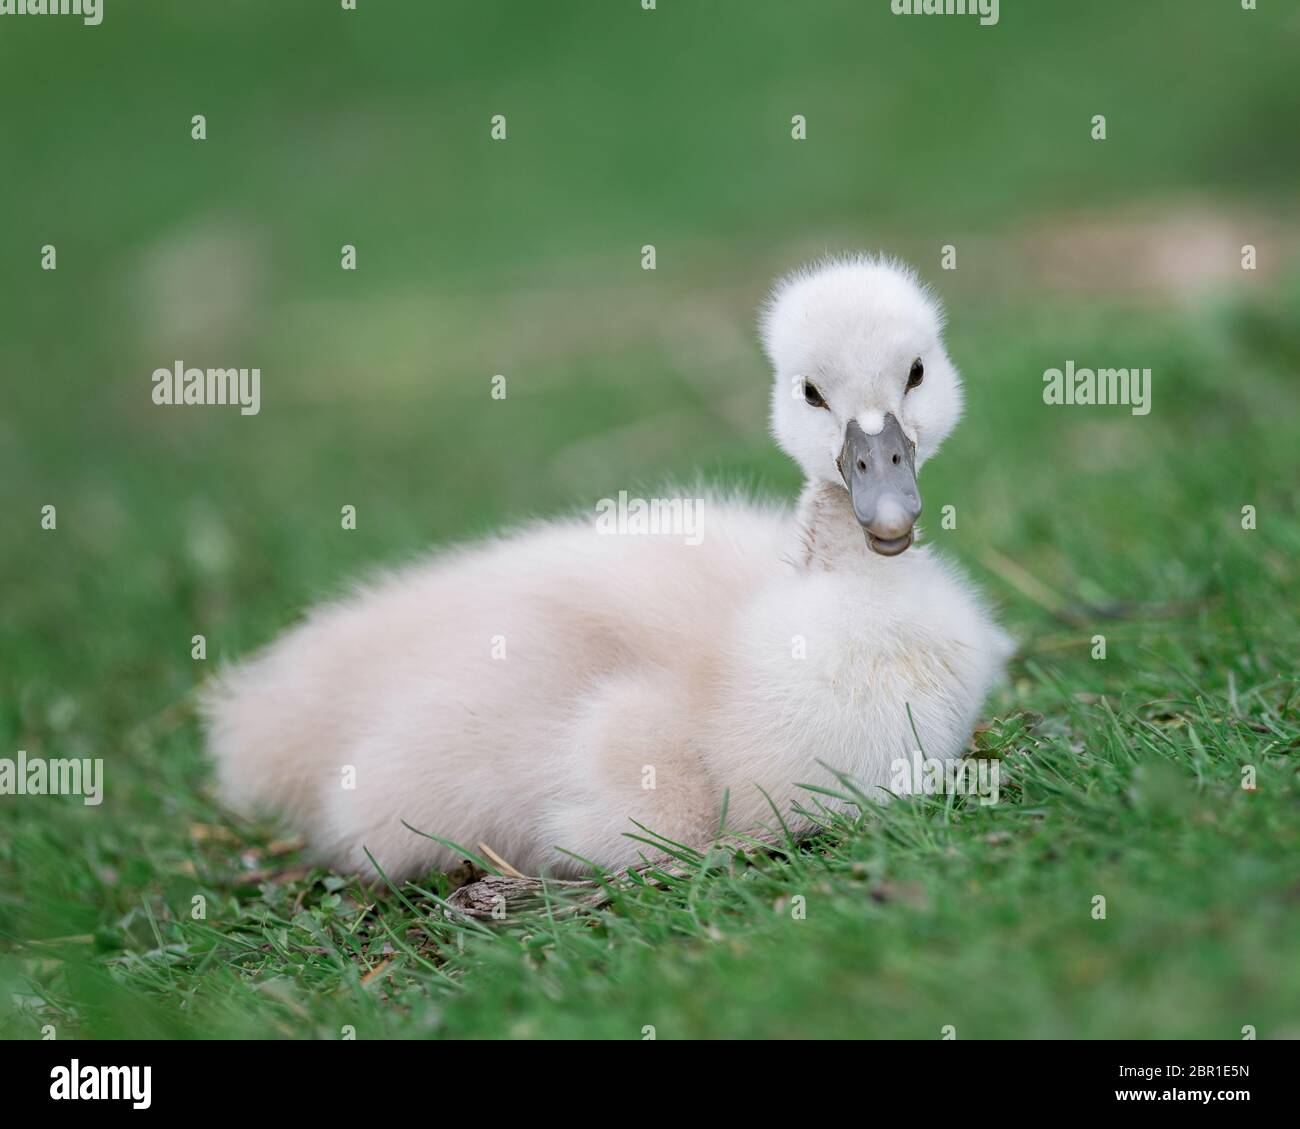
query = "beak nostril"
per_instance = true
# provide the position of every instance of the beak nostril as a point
(896, 459)
(862, 466)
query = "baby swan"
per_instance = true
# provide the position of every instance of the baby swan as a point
(542, 691)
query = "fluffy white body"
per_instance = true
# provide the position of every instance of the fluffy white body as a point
(556, 686)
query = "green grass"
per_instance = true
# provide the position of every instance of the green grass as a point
(669, 128)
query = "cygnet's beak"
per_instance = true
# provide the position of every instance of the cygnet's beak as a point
(880, 472)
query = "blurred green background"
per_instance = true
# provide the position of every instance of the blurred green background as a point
(626, 127)
(476, 257)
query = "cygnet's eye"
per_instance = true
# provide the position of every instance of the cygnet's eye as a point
(812, 397)
(915, 376)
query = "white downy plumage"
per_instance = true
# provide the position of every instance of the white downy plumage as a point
(779, 644)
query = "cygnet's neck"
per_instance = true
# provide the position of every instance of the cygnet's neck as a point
(828, 537)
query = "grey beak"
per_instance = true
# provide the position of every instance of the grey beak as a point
(880, 472)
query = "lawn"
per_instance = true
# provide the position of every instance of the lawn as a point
(1161, 777)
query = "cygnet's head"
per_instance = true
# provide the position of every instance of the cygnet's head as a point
(864, 391)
